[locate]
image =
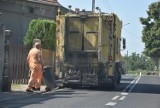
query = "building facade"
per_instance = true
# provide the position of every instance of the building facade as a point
(17, 14)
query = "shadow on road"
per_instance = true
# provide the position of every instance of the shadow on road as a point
(146, 84)
(147, 88)
(34, 98)
(129, 79)
(149, 85)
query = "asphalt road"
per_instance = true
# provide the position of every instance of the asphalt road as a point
(133, 92)
(145, 94)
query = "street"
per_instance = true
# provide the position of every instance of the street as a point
(133, 92)
(49, 46)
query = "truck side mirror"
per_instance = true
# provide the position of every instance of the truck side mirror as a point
(124, 43)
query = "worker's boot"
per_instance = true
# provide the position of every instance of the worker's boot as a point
(28, 90)
(35, 89)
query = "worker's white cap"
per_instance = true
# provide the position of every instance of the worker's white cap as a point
(37, 43)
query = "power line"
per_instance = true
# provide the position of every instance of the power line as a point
(131, 33)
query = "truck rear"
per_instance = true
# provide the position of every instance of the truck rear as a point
(88, 49)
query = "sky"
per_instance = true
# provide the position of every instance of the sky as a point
(129, 11)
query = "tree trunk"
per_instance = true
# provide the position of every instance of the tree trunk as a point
(156, 62)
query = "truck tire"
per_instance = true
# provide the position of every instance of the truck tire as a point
(113, 84)
(119, 79)
(66, 85)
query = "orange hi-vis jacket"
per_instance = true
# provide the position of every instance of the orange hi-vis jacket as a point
(35, 65)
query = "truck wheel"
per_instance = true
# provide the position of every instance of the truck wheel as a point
(113, 84)
(66, 85)
(119, 79)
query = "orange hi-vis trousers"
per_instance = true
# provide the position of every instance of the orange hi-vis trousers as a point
(36, 75)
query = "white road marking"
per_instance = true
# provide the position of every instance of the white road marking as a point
(129, 85)
(134, 85)
(60, 89)
(115, 98)
(137, 80)
(124, 94)
(122, 98)
(111, 104)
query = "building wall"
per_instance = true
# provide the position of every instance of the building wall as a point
(17, 14)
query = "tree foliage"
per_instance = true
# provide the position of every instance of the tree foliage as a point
(151, 30)
(137, 61)
(42, 29)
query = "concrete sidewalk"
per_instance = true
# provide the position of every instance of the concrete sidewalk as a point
(18, 92)
(22, 88)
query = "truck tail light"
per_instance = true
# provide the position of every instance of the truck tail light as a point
(109, 58)
(58, 22)
(110, 18)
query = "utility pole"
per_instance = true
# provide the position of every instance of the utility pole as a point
(127, 63)
(93, 5)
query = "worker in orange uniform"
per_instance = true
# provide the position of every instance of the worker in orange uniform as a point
(35, 64)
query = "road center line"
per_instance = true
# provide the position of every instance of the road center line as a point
(111, 104)
(129, 85)
(122, 98)
(125, 94)
(134, 85)
(115, 98)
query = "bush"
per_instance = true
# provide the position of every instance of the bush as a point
(42, 29)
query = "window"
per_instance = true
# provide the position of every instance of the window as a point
(31, 10)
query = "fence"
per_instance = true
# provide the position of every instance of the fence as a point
(2, 39)
(18, 66)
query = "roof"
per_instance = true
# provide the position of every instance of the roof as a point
(48, 2)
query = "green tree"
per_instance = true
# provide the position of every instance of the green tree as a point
(151, 32)
(137, 61)
(150, 64)
(42, 29)
(132, 60)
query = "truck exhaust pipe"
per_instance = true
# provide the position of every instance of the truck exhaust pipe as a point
(93, 5)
